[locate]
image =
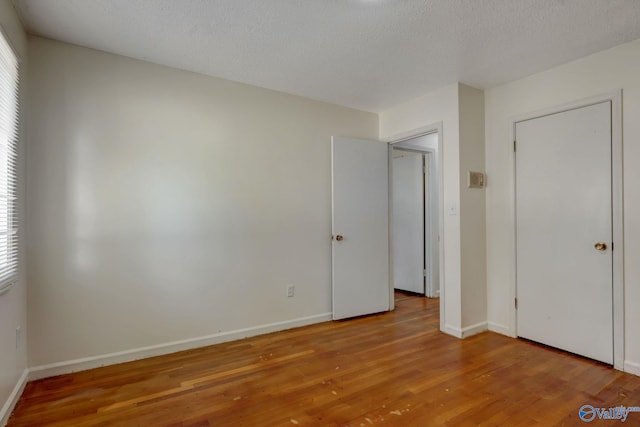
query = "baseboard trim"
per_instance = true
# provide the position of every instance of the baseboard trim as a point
(466, 331)
(451, 330)
(67, 367)
(11, 402)
(501, 329)
(632, 367)
(474, 329)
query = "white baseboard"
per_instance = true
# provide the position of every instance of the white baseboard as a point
(11, 402)
(76, 365)
(474, 329)
(466, 331)
(632, 367)
(451, 330)
(501, 329)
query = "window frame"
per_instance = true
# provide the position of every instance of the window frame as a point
(9, 140)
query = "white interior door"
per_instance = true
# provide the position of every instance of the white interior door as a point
(563, 210)
(360, 227)
(408, 221)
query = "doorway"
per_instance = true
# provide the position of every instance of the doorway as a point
(414, 215)
(362, 229)
(409, 209)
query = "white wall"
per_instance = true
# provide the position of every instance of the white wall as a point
(13, 304)
(616, 68)
(167, 205)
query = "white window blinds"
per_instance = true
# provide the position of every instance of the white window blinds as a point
(8, 141)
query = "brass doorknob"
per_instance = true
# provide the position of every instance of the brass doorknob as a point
(600, 246)
(339, 238)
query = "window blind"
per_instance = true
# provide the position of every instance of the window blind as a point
(9, 115)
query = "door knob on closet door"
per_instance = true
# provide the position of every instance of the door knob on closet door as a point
(600, 246)
(339, 237)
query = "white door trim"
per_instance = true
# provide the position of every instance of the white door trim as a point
(398, 138)
(615, 97)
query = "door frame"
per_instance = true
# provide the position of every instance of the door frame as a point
(396, 139)
(615, 97)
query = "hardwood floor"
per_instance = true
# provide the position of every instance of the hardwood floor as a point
(393, 369)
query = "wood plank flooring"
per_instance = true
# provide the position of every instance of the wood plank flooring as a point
(392, 369)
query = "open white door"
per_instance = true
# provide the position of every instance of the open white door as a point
(360, 227)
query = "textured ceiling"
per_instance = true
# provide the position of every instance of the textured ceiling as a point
(367, 54)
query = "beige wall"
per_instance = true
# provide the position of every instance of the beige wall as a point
(616, 68)
(167, 205)
(13, 304)
(460, 110)
(472, 211)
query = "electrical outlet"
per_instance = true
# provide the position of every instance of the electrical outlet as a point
(290, 291)
(18, 336)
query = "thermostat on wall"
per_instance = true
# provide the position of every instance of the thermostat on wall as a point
(476, 179)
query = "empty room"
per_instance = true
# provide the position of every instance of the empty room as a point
(319, 212)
